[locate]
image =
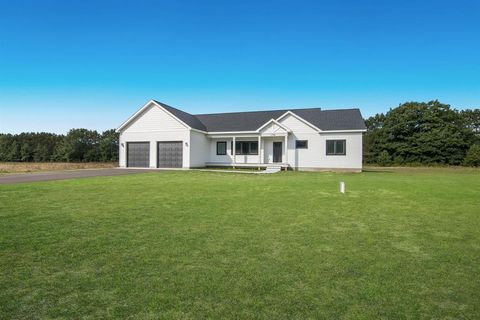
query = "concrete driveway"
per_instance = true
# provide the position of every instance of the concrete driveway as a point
(63, 175)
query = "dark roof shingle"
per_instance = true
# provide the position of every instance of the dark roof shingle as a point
(341, 119)
(188, 118)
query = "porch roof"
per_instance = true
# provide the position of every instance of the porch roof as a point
(246, 134)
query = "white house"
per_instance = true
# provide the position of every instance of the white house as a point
(160, 136)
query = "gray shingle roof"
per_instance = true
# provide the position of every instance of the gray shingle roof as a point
(341, 119)
(188, 118)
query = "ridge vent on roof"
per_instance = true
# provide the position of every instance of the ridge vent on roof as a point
(276, 110)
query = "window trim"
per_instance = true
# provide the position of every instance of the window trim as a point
(239, 151)
(335, 141)
(296, 144)
(225, 143)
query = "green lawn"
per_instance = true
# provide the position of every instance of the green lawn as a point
(402, 244)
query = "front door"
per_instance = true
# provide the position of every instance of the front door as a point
(277, 151)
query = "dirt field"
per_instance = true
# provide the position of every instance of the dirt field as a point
(19, 167)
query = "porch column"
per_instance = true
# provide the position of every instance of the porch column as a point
(259, 149)
(286, 148)
(234, 151)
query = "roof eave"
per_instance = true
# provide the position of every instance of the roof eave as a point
(132, 117)
(299, 118)
(344, 131)
(145, 106)
(277, 123)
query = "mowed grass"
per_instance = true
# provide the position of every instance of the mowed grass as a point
(167, 245)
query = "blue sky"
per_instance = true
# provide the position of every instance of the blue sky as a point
(92, 64)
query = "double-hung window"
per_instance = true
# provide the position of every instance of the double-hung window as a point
(336, 147)
(301, 144)
(221, 148)
(246, 147)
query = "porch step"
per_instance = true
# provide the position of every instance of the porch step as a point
(273, 169)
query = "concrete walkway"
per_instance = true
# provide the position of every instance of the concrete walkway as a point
(267, 171)
(228, 171)
(63, 175)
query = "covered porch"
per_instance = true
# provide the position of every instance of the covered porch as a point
(254, 150)
(284, 166)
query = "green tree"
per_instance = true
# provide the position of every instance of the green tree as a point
(25, 152)
(373, 140)
(77, 145)
(416, 132)
(472, 158)
(42, 153)
(375, 122)
(6, 141)
(108, 146)
(59, 153)
(81, 145)
(384, 159)
(13, 153)
(471, 119)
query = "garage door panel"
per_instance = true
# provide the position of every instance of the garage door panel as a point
(138, 154)
(170, 154)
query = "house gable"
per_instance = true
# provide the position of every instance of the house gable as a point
(152, 117)
(273, 127)
(296, 124)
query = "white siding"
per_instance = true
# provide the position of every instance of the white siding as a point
(154, 125)
(213, 157)
(228, 158)
(296, 125)
(272, 129)
(199, 149)
(305, 158)
(154, 119)
(353, 157)
(268, 148)
(154, 137)
(315, 156)
(247, 158)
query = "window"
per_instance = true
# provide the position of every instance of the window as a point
(246, 147)
(253, 148)
(336, 147)
(301, 144)
(221, 148)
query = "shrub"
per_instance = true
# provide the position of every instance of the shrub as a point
(472, 158)
(384, 159)
(399, 160)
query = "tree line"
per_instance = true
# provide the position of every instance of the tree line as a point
(423, 133)
(78, 145)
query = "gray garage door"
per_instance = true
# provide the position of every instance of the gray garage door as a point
(138, 154)
(170, 154)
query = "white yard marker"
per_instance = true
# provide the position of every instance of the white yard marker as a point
(342, 187)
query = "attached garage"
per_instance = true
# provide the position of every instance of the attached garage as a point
(138, 154)
(170, 154)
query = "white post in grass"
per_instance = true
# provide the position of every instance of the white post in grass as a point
(342, 187)
(259, 149)
(234, 151)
